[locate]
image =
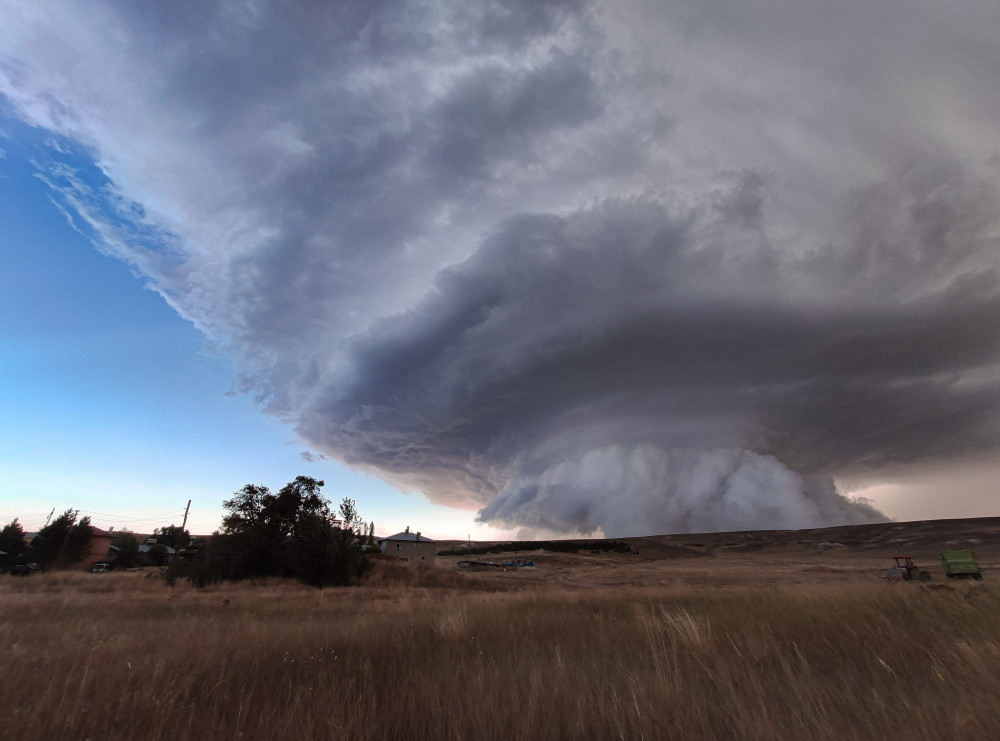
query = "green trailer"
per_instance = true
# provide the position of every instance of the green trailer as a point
(960, 565)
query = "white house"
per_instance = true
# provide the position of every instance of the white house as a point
(414, 547)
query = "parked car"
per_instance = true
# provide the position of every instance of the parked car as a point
(101, 566)
(23, 569)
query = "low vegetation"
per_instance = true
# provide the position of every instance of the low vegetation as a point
(431, 653)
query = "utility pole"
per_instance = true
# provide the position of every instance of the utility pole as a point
(49, 518)
(186, 510)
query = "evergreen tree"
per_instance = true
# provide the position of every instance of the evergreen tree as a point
(62, 542)
(12, 543)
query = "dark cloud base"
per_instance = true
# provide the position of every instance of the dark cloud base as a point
(558, 341)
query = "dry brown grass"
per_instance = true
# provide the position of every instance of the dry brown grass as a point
(121, 656)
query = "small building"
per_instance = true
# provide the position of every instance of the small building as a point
(413, 547)
(168, 553)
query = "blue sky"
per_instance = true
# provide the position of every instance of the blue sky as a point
(112, 403)
(569, 267)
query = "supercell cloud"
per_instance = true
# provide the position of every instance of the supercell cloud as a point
(625, 267)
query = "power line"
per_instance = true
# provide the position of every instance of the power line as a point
(41, 515)
(34, 520)
(149, 518)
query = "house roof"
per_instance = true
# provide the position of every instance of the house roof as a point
(144, 548)
(410, 537)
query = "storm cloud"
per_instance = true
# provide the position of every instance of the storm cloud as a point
(625, 267)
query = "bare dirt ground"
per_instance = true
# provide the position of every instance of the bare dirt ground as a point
(758, 558)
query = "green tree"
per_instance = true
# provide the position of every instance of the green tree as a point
(128, 549)
(261, 523)
(62, 542)
(322, 554)
(78, 542)
(349, 514)
(12, 542)
(173, 536)
(157, 554)
(254, 533)
(291, 533)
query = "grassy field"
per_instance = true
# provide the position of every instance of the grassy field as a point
(444, 655)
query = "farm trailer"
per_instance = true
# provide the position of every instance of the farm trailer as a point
(960, 565)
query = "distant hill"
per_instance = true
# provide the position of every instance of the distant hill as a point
(924, 538)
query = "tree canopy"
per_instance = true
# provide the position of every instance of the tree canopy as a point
(292, 533)
(172, 536)
(128, 549)
(11, 543)
(62, 542)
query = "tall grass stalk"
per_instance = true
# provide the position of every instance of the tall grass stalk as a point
(116, 656)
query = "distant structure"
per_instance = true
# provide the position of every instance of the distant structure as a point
(413, 547)
(150, 542)
(100, 549)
